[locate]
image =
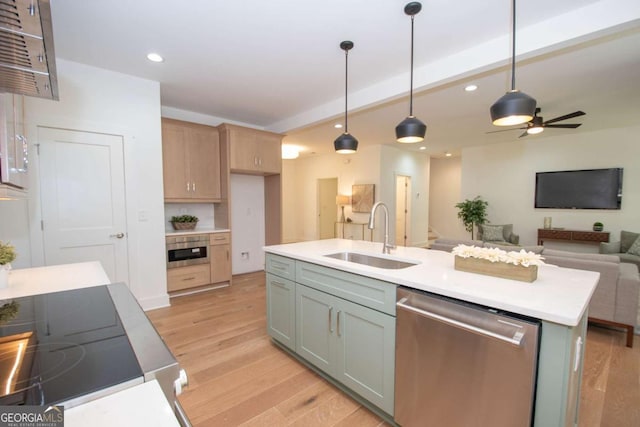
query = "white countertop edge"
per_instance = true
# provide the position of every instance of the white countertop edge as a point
(198, 231)
(559, 295)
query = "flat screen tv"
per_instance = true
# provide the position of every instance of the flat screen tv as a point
(583, 189)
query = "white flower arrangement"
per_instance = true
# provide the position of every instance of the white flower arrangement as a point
(522, 258)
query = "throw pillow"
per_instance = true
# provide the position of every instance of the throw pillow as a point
(627, 238)
(492, 233)
(635, 248)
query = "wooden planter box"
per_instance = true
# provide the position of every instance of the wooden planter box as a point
(496, 269)
(184, 225)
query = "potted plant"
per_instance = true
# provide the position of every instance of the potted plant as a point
(472, 212)
(184, 222)
(7, 255)
(598, 226)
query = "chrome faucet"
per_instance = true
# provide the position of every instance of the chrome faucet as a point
(386, 246)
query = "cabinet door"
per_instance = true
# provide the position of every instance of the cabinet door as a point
(315, 327)
(188, 277)
(174, 161)
(204, 162)
(270, 154)
(365, 355)
(244, 150)
(281, 310)
(220, 263)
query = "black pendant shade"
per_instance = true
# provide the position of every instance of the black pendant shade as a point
(346, 143)
(411, 129)
(514, 107)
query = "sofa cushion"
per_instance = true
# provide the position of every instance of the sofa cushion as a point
(507, 231)
(581, 256)
(635, 247)
(492, 233)
(631, 259)
(626, 240)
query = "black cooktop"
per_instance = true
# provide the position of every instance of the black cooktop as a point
(59, 346)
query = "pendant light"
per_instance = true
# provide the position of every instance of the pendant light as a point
(411, 129)
(514, 107)
(346, 143)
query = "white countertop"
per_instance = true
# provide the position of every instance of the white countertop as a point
(198, 231)
(559, 295)
(54, 278)
(142, 405)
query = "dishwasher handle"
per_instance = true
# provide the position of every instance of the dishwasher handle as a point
(516, 340)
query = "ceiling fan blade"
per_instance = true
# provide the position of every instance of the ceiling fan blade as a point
(565, 126)
(566, 116)
(504, 130)
(523, 134)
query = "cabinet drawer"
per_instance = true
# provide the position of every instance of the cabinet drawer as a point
(281, 266)
(188, 277)
(362, 290)
(590, 236)
(554, 234)
(219, 239)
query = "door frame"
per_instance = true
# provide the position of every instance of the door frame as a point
(407, 217)
(319, 206)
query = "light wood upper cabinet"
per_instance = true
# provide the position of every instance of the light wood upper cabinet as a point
(253, 151)
(191, 162)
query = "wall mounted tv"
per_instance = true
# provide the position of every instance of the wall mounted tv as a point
(582, 189)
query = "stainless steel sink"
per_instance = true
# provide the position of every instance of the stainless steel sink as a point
(372, 261)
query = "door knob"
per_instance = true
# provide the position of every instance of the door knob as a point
(119, 235)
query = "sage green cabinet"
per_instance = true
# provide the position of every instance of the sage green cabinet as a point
(353, 344)
(281, 310)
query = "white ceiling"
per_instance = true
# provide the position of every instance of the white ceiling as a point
(277, 64)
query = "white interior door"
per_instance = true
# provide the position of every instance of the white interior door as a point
(82, 193)
(327, 192)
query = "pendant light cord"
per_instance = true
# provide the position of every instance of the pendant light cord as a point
(411, 78)
(513, 47)
(346, 86)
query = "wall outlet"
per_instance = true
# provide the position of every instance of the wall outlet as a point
(244, 255)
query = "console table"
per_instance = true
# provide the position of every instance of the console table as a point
(572, 236)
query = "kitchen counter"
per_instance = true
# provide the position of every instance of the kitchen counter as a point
(54, 278)
(559, 295)
(198, 231)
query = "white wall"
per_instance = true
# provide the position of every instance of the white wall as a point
(14, 229)
(97, 100)
(247, 223)
(393, 162)
(444, 193)
(504, 175)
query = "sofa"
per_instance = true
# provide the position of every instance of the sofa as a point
(615, 300)
(623, 248)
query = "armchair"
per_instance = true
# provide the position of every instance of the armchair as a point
(501, 234)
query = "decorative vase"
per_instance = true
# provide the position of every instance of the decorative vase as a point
(4, 276)
(496, 269)
(598, 227)
(547, 222)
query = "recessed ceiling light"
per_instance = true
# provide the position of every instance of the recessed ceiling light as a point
(154, 57)
(470, 88)
(423, 148)
(338, 126)
(447, 154)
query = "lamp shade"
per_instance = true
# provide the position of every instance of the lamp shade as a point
(345, 144)
(513, 108)
(410, 130)
(342, 200)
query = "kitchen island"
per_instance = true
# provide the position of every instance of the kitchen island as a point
(302, 272)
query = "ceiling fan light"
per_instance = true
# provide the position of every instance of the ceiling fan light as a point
(535, 130)
(410, 130)
(513, 108)
(345, 144)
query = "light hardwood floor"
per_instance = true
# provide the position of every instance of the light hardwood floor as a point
(238, 377)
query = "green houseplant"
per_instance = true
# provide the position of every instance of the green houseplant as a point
(472, 212)
(184, 222)
(598, 226)
(7, 255)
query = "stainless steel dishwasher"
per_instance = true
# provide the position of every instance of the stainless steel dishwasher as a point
(459, 364)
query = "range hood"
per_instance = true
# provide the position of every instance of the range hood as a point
(27, 57)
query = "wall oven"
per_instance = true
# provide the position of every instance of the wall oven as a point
(187, 250)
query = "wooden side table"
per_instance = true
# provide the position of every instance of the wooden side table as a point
(572, 236)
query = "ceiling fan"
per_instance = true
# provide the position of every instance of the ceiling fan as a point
(537, 124)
